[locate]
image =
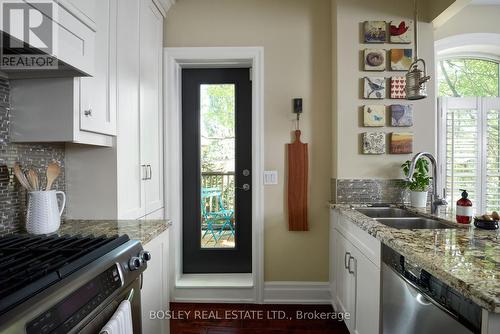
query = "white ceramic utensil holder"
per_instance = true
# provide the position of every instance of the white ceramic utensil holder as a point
(44, 215)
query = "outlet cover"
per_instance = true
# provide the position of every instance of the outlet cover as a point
(270, 177)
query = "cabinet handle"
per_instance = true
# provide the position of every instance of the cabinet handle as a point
(150, 172)
(346, 266)
(88, 112)
(349, 266)
(144, 172)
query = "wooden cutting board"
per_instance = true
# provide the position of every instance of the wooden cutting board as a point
(298, 161)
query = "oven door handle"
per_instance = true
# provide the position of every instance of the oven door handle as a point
(130, 296)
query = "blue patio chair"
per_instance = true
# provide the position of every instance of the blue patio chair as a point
(215, 213)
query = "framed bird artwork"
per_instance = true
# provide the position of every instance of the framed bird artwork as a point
(374, 88)
(401, 32)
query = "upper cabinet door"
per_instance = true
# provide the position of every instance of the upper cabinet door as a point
(87, 8)
(151, 32)
(98, 93)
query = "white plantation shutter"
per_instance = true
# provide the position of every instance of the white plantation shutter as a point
(491, 107)
(469, 147)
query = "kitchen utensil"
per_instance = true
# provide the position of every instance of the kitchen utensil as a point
(33, 180)
(21, 177)
(297, 184)
(44, 215)
(53, 171)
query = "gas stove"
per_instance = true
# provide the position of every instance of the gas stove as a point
(67, 284)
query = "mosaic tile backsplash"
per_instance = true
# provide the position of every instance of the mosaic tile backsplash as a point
(37, 156)
(362, 191)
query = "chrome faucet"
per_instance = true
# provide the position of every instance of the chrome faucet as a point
(436, 201)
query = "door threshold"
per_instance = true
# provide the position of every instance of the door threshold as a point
(215, 281)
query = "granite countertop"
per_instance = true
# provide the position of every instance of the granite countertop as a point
(466, 258)
(143, 230)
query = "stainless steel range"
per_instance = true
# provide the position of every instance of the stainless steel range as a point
(68, 284)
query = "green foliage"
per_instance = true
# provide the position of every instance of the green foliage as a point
(468, 77)
(217, 127)
(420, 180)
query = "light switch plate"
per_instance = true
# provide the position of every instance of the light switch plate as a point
(270, 177)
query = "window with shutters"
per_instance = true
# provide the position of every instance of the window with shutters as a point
(469, 138)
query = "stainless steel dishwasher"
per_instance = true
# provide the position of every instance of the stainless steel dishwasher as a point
(414, 301)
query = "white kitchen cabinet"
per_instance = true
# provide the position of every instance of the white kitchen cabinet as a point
(131, 184)
(140, 149)
(346, 281)
(154, 293)
(75, 37)
(97, 108)
(355, 272)
(151, 103)
(72, 110)
(86, 8)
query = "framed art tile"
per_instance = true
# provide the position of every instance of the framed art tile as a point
(373, 143)
(401, 59)
(401, 115)
(401, 143)
(398, 85)
(374, 115)
(374, 59)
(374, 88)
(375, 31)
(401, 32)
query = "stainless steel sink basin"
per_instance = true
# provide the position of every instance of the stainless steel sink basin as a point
(413, 223)
(385, 212)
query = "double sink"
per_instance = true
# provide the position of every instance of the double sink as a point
(402, 219)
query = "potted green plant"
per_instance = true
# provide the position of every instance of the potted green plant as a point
(419, 182)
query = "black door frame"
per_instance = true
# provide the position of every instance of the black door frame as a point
(219, 260)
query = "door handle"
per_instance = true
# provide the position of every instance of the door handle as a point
(349, 265)
(245, 187)
(345, 259)
(150, 172)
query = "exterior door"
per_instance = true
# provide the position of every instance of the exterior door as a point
(217, 175)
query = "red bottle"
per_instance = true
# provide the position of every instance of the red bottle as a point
(464, 209)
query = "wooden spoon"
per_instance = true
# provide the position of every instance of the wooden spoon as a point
(53, 171)
(33, 179)
(21, 177)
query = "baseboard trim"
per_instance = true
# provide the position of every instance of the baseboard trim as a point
(282, 292)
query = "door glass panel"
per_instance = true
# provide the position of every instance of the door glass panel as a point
(217, 161)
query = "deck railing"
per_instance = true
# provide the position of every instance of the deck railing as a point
(223, 181)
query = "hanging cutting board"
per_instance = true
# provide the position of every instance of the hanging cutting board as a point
(297, 184)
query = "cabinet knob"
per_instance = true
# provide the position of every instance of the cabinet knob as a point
(88, 112)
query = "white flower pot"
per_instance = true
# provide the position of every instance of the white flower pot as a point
(418, 199)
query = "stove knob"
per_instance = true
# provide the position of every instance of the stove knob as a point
(134, 263)
(145, 255)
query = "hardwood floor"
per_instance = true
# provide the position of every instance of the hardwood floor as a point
(253, 318)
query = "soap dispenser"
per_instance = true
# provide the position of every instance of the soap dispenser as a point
(464, 208)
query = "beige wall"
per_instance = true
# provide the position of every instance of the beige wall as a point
(471, 19)
(296, 36)
(350, 163)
